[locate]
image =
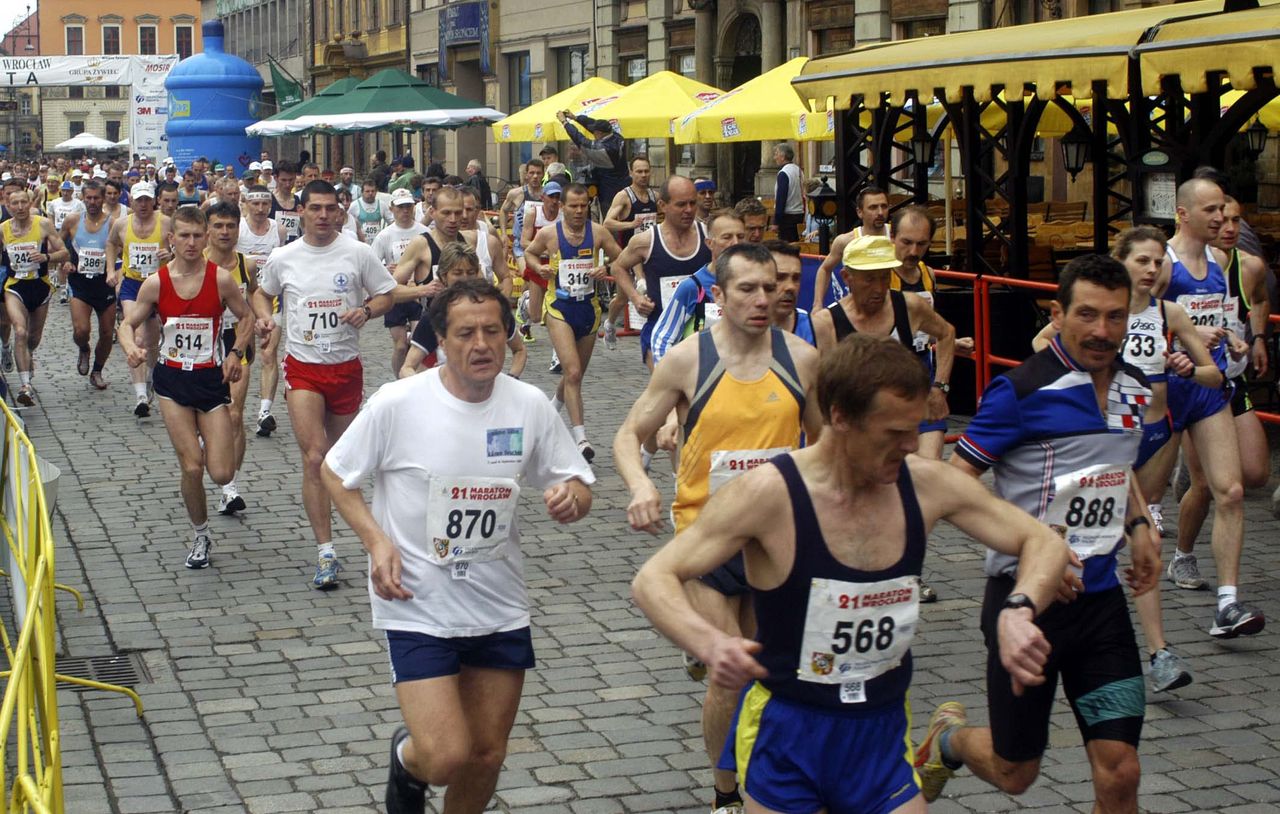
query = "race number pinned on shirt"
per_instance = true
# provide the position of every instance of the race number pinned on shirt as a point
(856, 631)
(727, 464)
(188, 342)
(1088, 508)
(291, 222)
(144, 258)
(20, 262)
(574, 277)
(370, 230)
(468, 519)
(645, 221)
(322, 321)
(712, 313)
(92, 262)
(667, 287)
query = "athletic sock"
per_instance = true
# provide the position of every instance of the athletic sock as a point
(325, 550)
(949, 758)
(646, 458)
(25, 377)
(557, 404)
(728, 798)
(265, 408)
(579, 433)
(140, 389)
(400, 751)
(1226, 596)
(198, 530)
(1181, 555)
(229, 488)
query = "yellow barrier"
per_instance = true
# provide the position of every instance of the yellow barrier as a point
(29, 713)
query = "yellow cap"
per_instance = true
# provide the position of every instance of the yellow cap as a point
(870, 254)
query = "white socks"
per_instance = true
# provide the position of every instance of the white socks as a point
(1226, 596)
(579, 433)
(326, 550)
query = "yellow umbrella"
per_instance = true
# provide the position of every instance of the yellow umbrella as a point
(762, 109)
(538, 122)
(646, 109)
(1269, 115)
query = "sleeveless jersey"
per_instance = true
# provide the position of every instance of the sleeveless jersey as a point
(1235, 312)
(644, 214)
(922, 343)
(259, 247)
(901, 320)
(1202, 299)
(517, 237)
(747, 423)
(188, 200)
(90, 248)
(1147, 341)
(664, 271)
(572, 265)
(141, 252)
(21, 247)
(482, 252)
(241, 275)
(191, 330)
(856, 623)
(290, 219)
(369, 221)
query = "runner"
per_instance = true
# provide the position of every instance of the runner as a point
(188, 195)
(167, 198)
(85, 234)
(286, 211)
(445, 575)
(64, 205)
(706, 189)
(742, 393)
(825, 712)
(755, 218)
(389, 245)
(476, 231)
(457, 262)
(224, 234)
(516, 205)
(1192, 276)
(141, 241)
(535, 220)
(259, 237)
(873, 219)
(190, 294)
(31, 244)
(578, 251)
(633, 211)
(785, 313)
(371, 212)
(285, 207)
(114, 208)
(1061, 432)
(330, 287)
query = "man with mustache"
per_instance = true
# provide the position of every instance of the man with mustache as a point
(873, 220)
(785, 313)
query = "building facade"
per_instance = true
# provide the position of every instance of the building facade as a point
(20, 117)
(72, 27)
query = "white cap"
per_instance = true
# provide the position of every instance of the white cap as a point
(346, 169)
(76, 173)
(254, 166)
(142, 189)
(401, 197)
(267, 165)
(99, 173)
(8, 176)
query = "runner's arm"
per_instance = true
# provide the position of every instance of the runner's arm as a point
(1041, 340)
(60, 252)
(385, 573)
(1204, 370)
(830, 264)
(806, 358)
(619, 208)
(623, 270)
(647, 415)
(148, 294)
(1254, 282)
(114, 247)
(519, 356)
(536, 249)
(925, 319)
(412, 361)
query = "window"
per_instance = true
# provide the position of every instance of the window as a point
(112, 92)
(571, 65)
(183, 42)
(113, 130)
(835, 40)
(395, 12)
(521, 97)
(637, 69)
(111, 39)
(929, 27)
(355, 14)
(147, 39)
(77, 127)
(24, 104)
(375, 14)
(75, 40)
(75, 92)
(26, 139)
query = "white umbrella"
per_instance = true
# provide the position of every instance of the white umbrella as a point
(123, 143)
(85, 141)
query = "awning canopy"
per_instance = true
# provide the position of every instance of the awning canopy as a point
(1234, 44)
(1077, 52)
(276, 125)
(646, 109)
(760, 109)
(538, 121)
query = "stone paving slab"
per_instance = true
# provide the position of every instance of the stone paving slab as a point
(266, 696)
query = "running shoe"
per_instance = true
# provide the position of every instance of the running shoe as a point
(934, 772)
(266, 425)
(63, 295)
(26, 395)
(82, 364)
(588, 451)
(1237, 619)
(696, 669)
(6, 359)
(95, 379)
(199, 554)
(1157, 517)
(610, 334)
(732, 808)
(142, 409)
(230, 503)
(555, 363)
(326, 577)
(526, 334)
(405, 793)
(1185, 573)
(1168, 671)
(927, 593)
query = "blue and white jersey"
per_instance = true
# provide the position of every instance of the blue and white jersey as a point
(1039, 426)
(1202, 299)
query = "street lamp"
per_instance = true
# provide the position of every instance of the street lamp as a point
(1257, 136)
(1075, 152)
(822, 208)
(922, 145)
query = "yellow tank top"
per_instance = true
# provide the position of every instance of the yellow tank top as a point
(141, 253)
(734, 425)
(925, 284)
(20, 248)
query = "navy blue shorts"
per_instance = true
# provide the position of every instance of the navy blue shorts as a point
(92, 290)
(794, 757)
(419, 656)
(729, 579)
(129, 288)
(581, 315)
(201, 389)
(646, 338)
(401, 314)
(1190, 402)
(1154, 437)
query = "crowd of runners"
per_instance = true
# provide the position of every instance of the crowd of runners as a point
(807, 446)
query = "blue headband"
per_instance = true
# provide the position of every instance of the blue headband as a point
(704, 184)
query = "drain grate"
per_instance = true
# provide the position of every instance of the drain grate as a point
(126, 671)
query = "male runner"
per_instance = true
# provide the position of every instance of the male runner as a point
(224, 234)
(259, 237)
(330, 288)
(188, 195)
(64, 205)
(85, 234)
(785, 313)
(514, 207)
(691, 307)
(31, 244)
(114, 208)
(578, 250)
(1192, 276)
(347, 181)
(873, 219)
(743, 391)
(285, 207)
(140, 241)
(445, 574)
(633, 211)
(476, 231)
(389, 245)
(706, 190)
(371, 213)
(1061, 432)
(535, 220)
(755, 218)
(833, 537)
(190, 293)
(167, 198)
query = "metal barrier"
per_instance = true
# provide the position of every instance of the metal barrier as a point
(29, 712)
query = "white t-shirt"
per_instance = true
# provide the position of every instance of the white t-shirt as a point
(60, 209)
(259, 247)
(319, 284)
(390, 243)
(515, 435)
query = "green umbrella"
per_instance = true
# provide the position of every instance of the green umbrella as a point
(314, 104)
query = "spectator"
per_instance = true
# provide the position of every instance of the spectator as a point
(605, 153)
(477, 181)
(378, 170)
(788, 195)
(405, 179)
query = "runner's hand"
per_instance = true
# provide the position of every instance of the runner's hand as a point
(645, 510)
(1236, 346)
(599, 273)
(964, 345)
(667, 436)
(936, 408)
(1211, 335)
(1144, 560)
(264, 326)
(1180, 364)
(355, 317)
(1259, 352)
(1072, 585)
(562, 503)
(231, 368)
(1023, 648)
(731, 662)
(384, 571)
(136, 356)
(643, 304)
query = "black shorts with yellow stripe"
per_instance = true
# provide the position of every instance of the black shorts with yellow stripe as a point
(34, 293)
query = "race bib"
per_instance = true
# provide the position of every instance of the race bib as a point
(856, 631)
(1088, 508)
(727, 464)
(921, 342)
(468, 519)
(712, 313)
(144, 258)
(322, 321)
(1204, 309)
(370, 230)
(667, 287)
(92, 262)
(1145, 350)
(291, 222)
(20, 262)
(574, 277)
(189, 342)
(645, 221)
(397, 249)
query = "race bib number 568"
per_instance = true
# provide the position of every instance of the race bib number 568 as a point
(855, 631)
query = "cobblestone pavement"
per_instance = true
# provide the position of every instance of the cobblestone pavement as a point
(266, 696)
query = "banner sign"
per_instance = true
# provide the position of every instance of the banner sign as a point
(464, 24)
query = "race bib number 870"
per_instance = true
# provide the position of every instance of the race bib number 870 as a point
(469, 518)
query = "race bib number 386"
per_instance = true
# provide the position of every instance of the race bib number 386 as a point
(855, 631)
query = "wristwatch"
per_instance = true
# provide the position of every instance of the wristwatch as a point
(238, 352)
(944, 387)
(368, 312)
(1019, 601)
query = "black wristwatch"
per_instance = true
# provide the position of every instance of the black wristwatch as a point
(238, 352)
(944, 387)
(1132, 525)
(1019, 601)
(368, 312)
